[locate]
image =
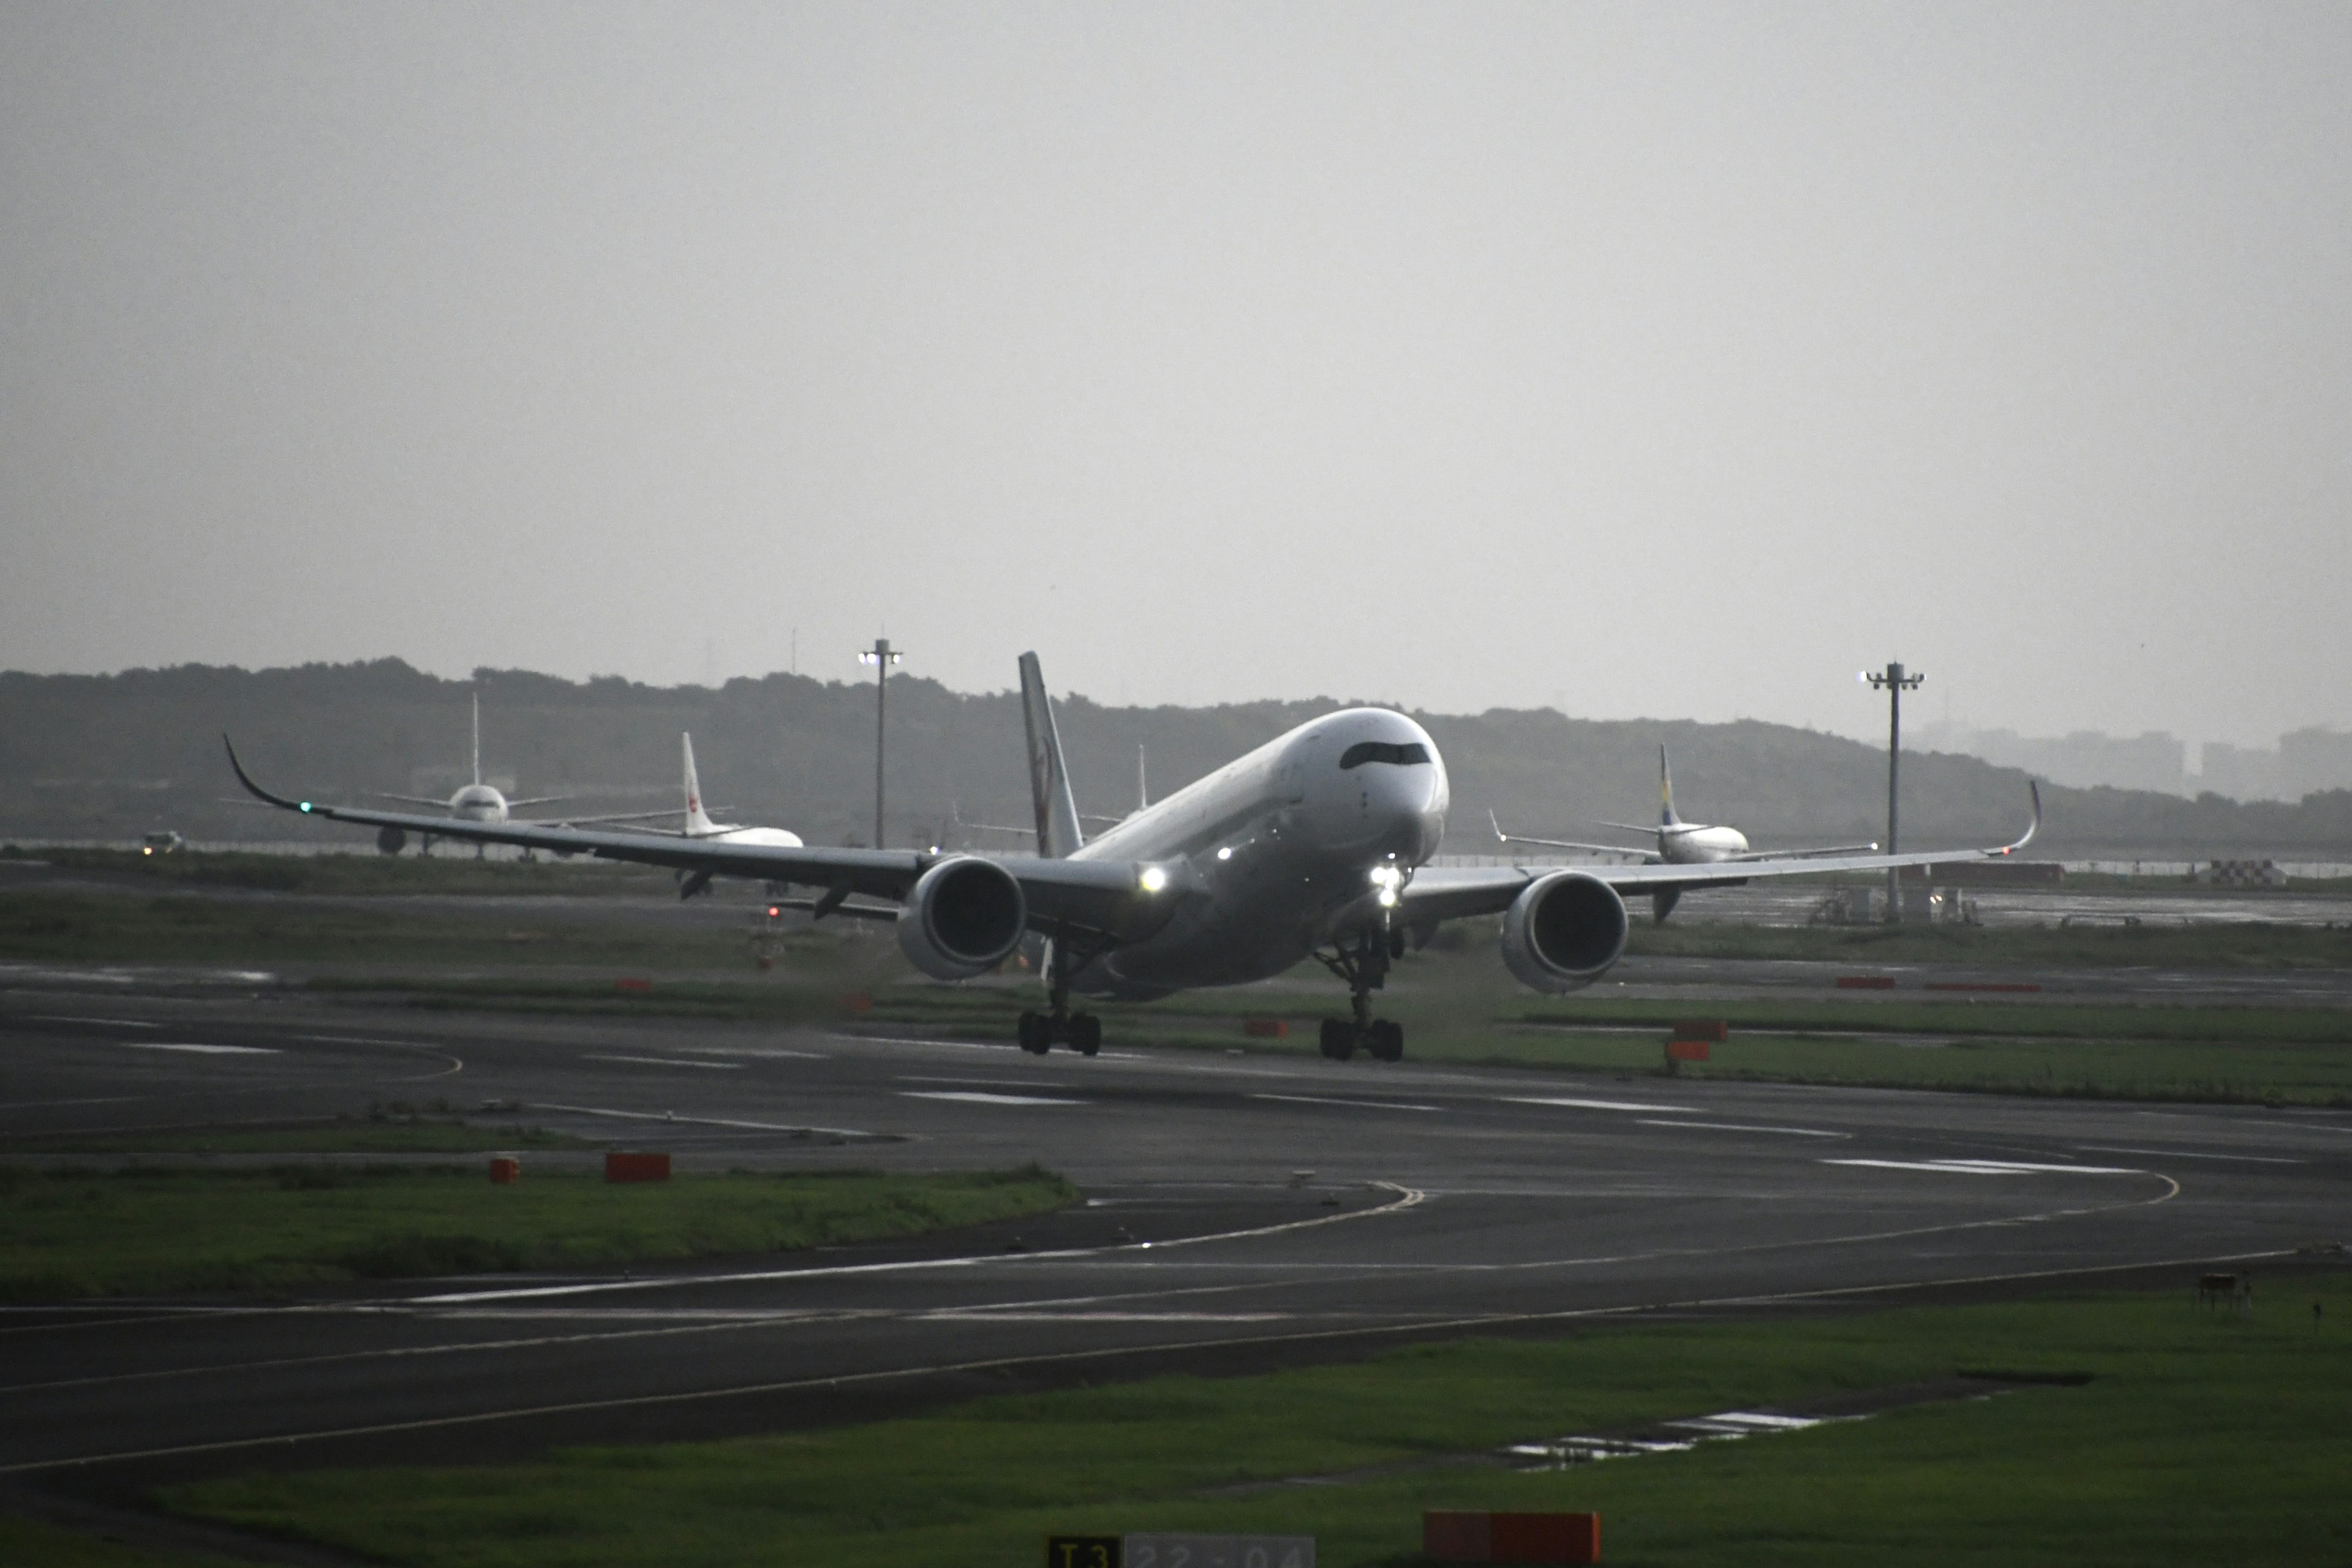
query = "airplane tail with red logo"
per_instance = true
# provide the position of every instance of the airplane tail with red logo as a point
(697, 821)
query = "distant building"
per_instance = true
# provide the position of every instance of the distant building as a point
(2083, 760)
(2310, 761)
(2241, 772)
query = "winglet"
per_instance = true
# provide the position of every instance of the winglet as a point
(2032, 828)
(1495, 822)
(252, 789)
(1666, 817)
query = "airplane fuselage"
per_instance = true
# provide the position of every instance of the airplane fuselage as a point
(1274, 855)
(1690, 844)
(478, 803)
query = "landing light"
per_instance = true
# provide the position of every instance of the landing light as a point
(1154, 879)
(1226, 853)
(306, 805)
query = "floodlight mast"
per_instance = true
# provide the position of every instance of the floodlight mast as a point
(881, 656)
(1894, 682)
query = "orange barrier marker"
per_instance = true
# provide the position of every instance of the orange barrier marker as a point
(505, 1170)
(636, 1167)
(1455, 1536)
(1688, 1050)
(1702, 1029)
(1266, 1029)
(631, 983)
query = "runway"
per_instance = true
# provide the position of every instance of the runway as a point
(1241, 1211)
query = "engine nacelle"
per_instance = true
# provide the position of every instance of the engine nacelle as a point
(963, 917)
(391, 840)
(1564, 932)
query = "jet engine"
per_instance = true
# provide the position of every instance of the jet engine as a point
(391, 840)
(963, 917)
(1564, 932)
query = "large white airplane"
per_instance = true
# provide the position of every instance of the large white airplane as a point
(1315, 844)
(1679, 843)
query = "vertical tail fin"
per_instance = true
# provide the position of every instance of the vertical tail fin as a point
(697, 821)
(478, 737)
(1666, 817)
(1143, 782)
(1049, 780)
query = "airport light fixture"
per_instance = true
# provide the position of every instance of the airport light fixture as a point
(881, 656)
(1895, 681)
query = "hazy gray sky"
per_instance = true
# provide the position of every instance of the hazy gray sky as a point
(1665, 360)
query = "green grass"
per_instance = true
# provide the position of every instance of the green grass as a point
(2198, 1438)
(397, 1131)
(457, 872)
(185, 928)
(35, 1544)
(149, 1231)
(2248, 944)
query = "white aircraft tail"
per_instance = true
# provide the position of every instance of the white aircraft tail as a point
(1666, 817)
(1049, 779)
(478, 737)
(697, 821)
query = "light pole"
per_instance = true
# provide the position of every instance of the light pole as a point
(881, 656)
(1895, 682)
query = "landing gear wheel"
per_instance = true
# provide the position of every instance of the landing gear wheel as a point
(1385, 1040)
(1037, 1033)
(1085, 1033)
(1338, 1038)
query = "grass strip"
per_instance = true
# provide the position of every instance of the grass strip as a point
(389, 1132)
(148, 1231)
(36, 1543)
(364, 874)
(2196, 1437)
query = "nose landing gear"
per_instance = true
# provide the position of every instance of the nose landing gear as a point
(1364, 965)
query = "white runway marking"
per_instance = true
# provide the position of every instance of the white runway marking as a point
(983, 1315)
(1367, 1104)
(1744, 1127)
(976, 1096)
(371, 1040)
(1596, 1104)
(201, 1050)
(667, 1062)
(110, 1022)
(698, 1121)
(1989, 1167)
(992, 1082)
(2184, 1154)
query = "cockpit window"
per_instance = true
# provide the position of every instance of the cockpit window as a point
(1363, 752)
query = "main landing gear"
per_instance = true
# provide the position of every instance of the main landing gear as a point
(1364, 965)
(1082, 1032)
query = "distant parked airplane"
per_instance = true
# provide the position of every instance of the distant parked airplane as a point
(1680, 843)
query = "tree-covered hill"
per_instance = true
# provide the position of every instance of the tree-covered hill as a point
(110, 756)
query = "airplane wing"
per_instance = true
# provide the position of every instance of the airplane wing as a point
(1645, 855)
(1109, 898)
(527, 800)
(442, 805)
(1453, 892)
(1807, 854)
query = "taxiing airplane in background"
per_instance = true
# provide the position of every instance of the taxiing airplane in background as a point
(476, 802)
(1679, 843)
(1315, 844)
